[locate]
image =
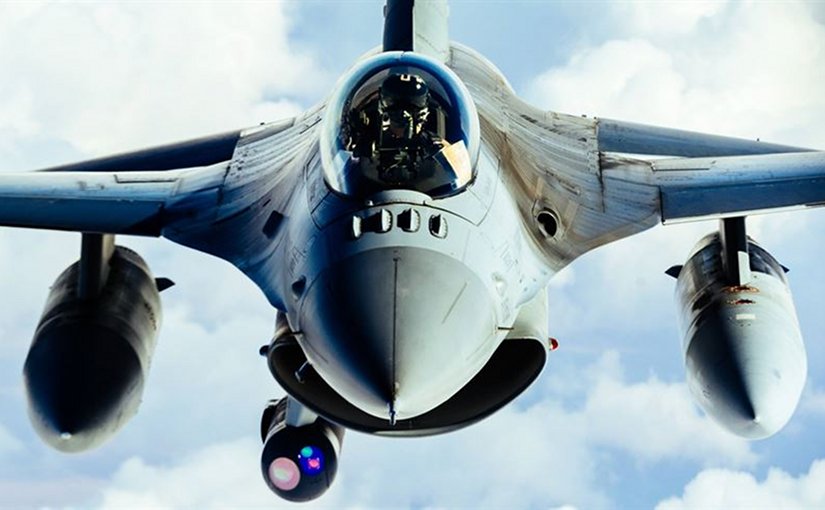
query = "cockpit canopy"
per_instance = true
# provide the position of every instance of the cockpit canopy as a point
(400, 121)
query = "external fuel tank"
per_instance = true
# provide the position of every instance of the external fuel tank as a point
(744, 356)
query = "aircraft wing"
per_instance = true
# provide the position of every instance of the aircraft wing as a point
(720, 177)
(128, 202)
(717, 187)
(632, 138)
(191, 153)
(140, 193)
(581, 182)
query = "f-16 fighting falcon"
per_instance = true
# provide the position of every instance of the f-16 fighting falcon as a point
(404, 230)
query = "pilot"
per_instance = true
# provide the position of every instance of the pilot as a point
(394, 136)
(404, 143)
(403, 106)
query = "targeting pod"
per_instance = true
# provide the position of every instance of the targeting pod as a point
(300, 456)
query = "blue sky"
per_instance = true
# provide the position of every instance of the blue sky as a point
(609, 424)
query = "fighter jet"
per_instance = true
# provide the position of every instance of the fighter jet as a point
(404, 230)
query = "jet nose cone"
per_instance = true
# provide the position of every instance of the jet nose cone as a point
(398, 330)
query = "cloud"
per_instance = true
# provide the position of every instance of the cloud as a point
(630, 417)
(625, 281)
(36, 492)
(812, 401)
(720, 488)
(535, 455)
(752, 69)
(610, 78)
(663, 19)
(218, 476)
(108, 76)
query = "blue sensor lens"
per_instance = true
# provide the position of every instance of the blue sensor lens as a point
(311, 460)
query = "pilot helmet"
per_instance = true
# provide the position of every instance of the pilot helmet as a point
(403, 102)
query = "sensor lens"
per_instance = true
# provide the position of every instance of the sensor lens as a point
(284, 474)
(311, 460)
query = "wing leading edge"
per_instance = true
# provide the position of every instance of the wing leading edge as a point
(633, 138)
(137, 203)
(144, 192)
(136, 192)
(204, 151)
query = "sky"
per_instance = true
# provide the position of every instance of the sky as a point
(609, 424)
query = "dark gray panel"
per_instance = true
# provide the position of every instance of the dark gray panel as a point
(191, 153)
(632, 138)
(124, 217)
(398, 25)
(689, 202)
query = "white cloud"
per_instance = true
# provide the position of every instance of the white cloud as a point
(622, 287)
(720, 488)
(37, 492)
(631, 417)
(219, 476)
(109, 76)
(663, 19)
(539, 455)
(753, 70)
(613, 80)
(564, 278)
